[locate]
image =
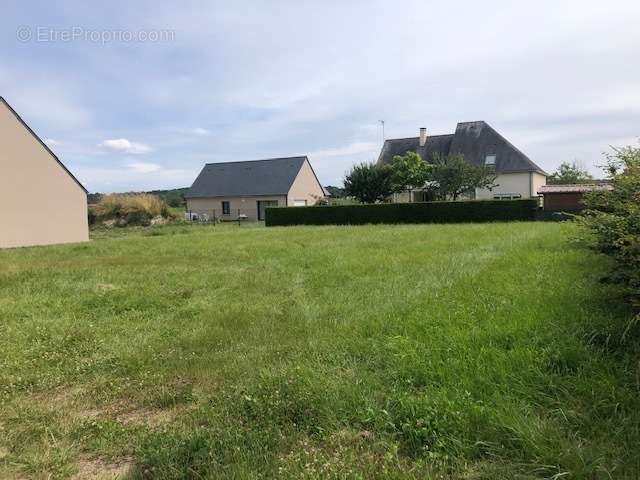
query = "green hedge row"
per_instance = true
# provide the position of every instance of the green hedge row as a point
(423, 212)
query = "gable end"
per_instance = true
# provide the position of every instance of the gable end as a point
(44, 145)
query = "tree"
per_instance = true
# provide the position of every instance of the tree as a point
(368, 182)
(452, 175)
(613, 217)
(568, 173)
(408, 172)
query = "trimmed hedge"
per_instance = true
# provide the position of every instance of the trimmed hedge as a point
(420, 212)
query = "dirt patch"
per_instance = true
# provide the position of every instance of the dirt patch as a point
(59, 395)
(73, 403)
(99, 469)
(129, 414)
(67, 400)
(147, 417)
(105, 287)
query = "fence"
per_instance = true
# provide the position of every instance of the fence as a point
(214, 216)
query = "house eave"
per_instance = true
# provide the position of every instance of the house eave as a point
(249, 195)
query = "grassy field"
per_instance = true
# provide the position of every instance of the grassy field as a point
(457, 351)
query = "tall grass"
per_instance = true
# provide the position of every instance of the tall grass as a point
(131, 209)
(435, 351)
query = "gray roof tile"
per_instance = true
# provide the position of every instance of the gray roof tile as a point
(474, 140)
(272, 176)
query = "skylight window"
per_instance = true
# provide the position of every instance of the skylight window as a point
(490, 160)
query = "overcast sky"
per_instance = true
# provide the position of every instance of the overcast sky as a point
(144, 93)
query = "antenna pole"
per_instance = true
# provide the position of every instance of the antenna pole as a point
(382, 123)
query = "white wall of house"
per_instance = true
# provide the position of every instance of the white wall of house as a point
(537, 180)
(40, 203)
(305, 189)
(238, 205)
(524, 183)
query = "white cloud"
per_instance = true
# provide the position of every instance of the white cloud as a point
(200, 132)
(125, 146)
(565, 89)
(144, 167)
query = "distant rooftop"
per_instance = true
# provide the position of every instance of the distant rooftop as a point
(473, 140)
(272, 176)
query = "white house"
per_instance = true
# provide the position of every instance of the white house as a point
(480, 144)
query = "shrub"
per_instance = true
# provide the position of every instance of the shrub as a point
(135, 209)
(92, 217)
(613, 218)
(569, 173)
(424, 212)
(368, 182)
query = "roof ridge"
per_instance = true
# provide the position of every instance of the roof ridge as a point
(428, 136)
(570, 184)
(260, 160)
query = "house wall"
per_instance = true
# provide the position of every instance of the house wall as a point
(559, 202)
(524, 183)
(239, 205)
(305, 186)
(40, 203)
(407, 197)
(537, 181)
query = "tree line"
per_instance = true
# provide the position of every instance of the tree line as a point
(446, 177)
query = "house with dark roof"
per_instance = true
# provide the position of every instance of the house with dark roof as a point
(233, 189)
(480, 144)
(42, 203)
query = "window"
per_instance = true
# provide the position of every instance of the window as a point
(490, 160)
(299, 203)
(226, 208)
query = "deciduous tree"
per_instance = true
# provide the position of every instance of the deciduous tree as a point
(569, 173)
(368, 182)
(452, 175)
(408, 171)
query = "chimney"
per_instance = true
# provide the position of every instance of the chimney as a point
(423, 136)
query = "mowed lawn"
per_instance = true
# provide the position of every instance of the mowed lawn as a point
(435, 351)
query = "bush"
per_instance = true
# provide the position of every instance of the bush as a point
(92, 217)
(425, 212)
(135, 209)
(613, 218)
(368, 182)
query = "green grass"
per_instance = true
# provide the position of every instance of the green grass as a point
(457, 351)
